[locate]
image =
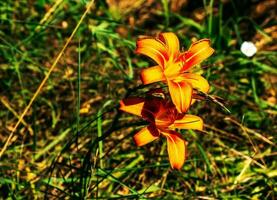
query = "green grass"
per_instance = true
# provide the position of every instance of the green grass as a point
(74, 143)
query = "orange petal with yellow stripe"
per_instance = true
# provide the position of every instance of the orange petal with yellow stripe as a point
(196, 81)
(176, 147)
(197, 52)
(189, 122)
(181, 94)
(152, 75)
(154, 49)
(146, 135)
(172, 43)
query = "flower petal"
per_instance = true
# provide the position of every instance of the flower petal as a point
(176, 147)
(172, 43)
(181, 94)
(197, 52)
(146, 135)
(196, 81)
(153, 49)
(152, 75)
(133, 105)
(189, 122)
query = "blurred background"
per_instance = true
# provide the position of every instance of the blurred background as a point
(73, 142)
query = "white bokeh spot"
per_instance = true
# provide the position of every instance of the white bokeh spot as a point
(248, 48)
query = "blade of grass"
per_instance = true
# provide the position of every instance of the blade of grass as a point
(259, 65)
(188, 22)
(205, 157)
(210, 24)
(114, 177)
(130, 68)
(52, 144)
(116, 180)
(78, 92)
(255, 96)
(48, 15)
(166, 12)
(236, 29)
(99, 131)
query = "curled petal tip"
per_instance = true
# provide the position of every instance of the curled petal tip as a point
(197, 52)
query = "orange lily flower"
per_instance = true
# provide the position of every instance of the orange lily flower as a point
(163, 119)
(174, 66)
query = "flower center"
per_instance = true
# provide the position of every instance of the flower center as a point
(165, 118)
(173, 69)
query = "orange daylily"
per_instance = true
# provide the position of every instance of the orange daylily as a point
(174, 66)
(163, 119)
